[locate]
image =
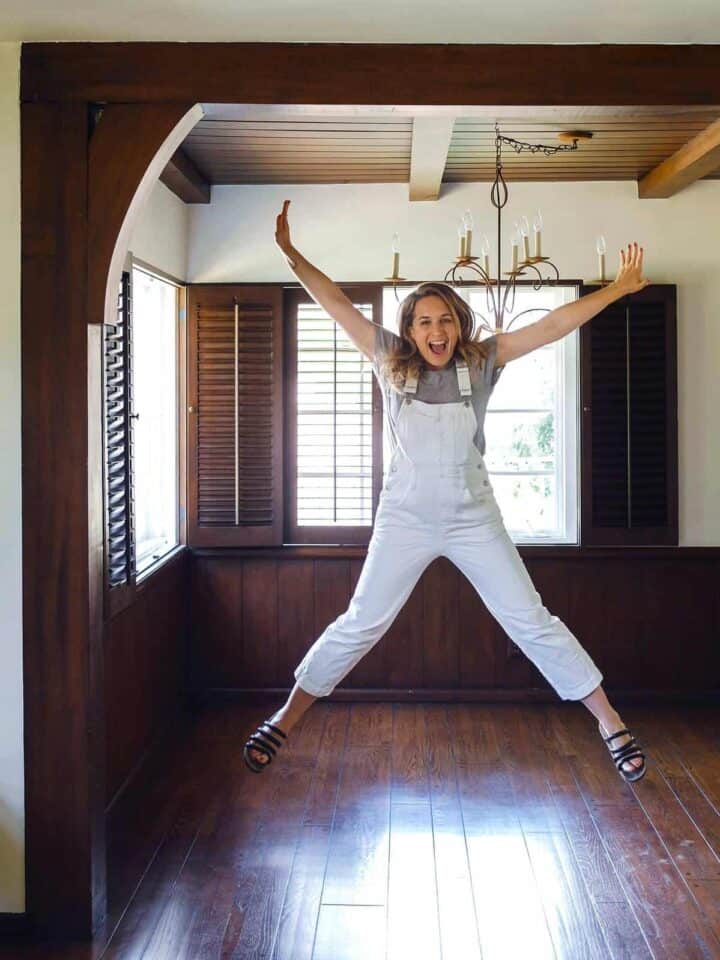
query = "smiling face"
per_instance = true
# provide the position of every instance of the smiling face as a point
(434, 330)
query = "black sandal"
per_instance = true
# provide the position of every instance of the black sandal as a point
(263, 741)
(624, 753)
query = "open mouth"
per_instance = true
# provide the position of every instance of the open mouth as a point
(438, 347)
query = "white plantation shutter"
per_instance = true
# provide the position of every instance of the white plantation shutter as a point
(334, 479)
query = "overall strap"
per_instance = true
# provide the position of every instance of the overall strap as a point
(463, 376)
(411, 385)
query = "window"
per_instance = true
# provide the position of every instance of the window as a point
(334, 421)
(531, 424)
(155, 416)
(140, 383)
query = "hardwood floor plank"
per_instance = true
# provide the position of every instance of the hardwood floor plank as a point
(668, 914)
(526, 762)
(350, 933)
(409, 754)
(574, 927)
(303, 899)
(413, 930)
(455, 903)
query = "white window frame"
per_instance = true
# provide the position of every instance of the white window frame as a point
(159, 561)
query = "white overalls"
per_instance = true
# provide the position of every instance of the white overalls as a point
(438, 501)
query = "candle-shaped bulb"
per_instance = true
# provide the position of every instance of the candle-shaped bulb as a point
(537, 227)
(468, 223)
(525, 230)
(461, 238)
(485, 251)
(396, 256)
(515, 241)
(601, 248)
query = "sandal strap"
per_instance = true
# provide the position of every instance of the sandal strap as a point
(632, 750)
(619, 733)
(272, 726)
(257, 742)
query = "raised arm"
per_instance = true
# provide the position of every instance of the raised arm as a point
(562, 320)
(324, 292)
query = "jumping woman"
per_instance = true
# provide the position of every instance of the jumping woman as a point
(437, 500)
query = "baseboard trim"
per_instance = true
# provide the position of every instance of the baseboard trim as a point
(480, 695)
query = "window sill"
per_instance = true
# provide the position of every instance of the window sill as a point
(537, 551)
(159, 564)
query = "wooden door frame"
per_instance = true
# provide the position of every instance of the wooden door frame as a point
(80, 181)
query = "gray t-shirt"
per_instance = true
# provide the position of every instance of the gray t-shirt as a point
(438, 386)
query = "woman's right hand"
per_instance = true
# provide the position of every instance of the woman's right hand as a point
(282, 231)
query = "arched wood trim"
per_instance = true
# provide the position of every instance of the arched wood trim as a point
(131, 145)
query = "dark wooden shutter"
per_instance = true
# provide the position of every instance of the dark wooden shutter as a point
(117, 388)
(235, 428)
(629, 423)
(334, 423)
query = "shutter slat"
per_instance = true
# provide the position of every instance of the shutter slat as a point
(629, 357)
(334, 423)
(117, 401)
(218, 444)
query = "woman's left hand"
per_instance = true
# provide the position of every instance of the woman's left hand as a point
(629, 277)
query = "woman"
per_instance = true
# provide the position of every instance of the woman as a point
(438, 500)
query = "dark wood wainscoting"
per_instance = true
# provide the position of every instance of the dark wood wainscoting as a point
(648, 616)
(145, 665)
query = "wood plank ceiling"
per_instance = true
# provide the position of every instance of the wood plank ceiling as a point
(376, 147)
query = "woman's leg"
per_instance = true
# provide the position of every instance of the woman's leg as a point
(397, 555)
(496, 570)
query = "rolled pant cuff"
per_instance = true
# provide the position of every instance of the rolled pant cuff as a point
(579, 693)
(302, 682)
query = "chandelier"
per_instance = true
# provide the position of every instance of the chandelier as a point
(500, 296)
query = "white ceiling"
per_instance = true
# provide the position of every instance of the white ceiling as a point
(371, 21)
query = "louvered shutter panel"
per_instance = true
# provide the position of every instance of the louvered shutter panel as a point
(629, 424)
(235, 418)
(117, 387)
(334, 427)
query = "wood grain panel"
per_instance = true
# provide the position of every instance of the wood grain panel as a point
(342, 73)
(628, 614)
(63, 703)
(145, 670)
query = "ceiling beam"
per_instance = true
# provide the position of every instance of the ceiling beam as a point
(693, 160)
(185, 180)
(430, 143)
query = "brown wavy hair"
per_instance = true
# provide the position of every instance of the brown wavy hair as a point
(405, 359)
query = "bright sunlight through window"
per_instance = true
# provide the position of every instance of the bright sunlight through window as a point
(155, 417)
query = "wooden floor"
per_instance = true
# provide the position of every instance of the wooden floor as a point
(420, 831)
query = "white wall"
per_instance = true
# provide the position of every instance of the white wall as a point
(12, 789)
(346, 231)
(160, 236)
